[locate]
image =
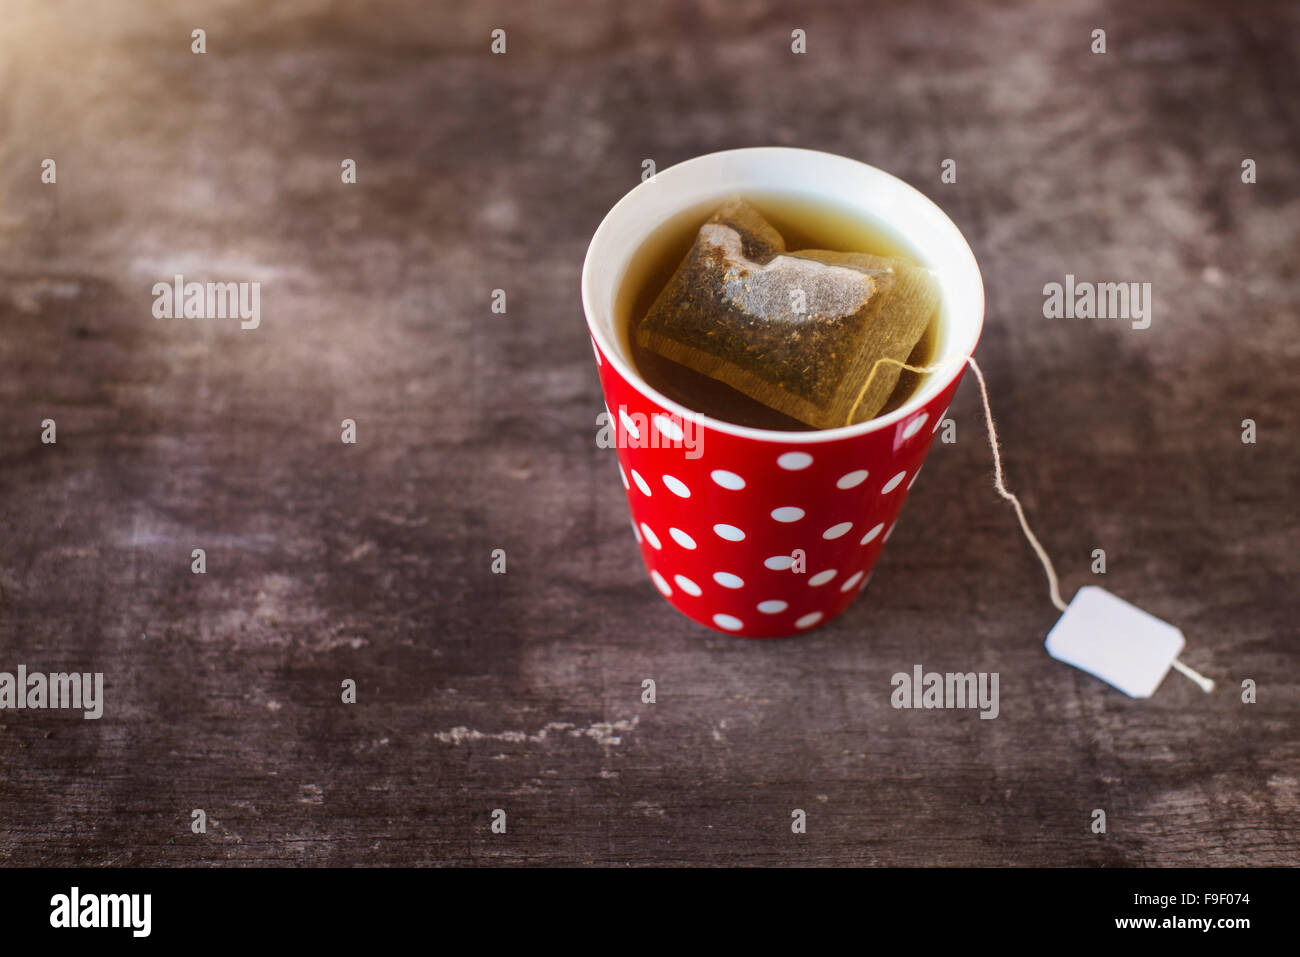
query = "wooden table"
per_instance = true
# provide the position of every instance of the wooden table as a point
(475, 431)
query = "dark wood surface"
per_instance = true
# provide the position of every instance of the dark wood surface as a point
(476, 431)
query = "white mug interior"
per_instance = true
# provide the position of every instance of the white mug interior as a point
(861, 190)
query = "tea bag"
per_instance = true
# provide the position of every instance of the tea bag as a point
(800, 332)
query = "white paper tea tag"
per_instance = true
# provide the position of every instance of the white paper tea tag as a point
(1103, 635)
(1118, 642)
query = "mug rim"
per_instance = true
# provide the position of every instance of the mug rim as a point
(939, 381)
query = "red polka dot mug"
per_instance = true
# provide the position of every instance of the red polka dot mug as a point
(754, 532)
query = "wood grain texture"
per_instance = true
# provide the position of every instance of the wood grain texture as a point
(476, 431)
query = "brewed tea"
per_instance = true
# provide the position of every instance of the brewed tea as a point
(708, 289)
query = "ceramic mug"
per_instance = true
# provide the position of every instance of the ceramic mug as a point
(749, 531)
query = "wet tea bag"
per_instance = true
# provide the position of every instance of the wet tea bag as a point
(801, 332)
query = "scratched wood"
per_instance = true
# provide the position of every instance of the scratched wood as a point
(476, 431)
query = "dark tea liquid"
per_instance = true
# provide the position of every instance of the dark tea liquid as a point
(805, 224)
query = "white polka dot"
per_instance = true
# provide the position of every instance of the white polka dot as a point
(596, 351)
(688, 586)
(660, 583)
(728, 580)
(623, 476)
(636, 531)
(888, 533)
(915, 425)
(727, 479)
(892, 484)
(821, 578)
(808, 620)
(939, 421)
(871, 534)
(778, 563)
(730, 532)
(853, 580)
(787, 513)
(650, 536)
(852, 479)
(794, 461)
(628, 423)
(681, 538)
(640, 482)
(729, 622)
(773, 607)
(670, 429)
(677, 486)
(835, 531)
(914, 478)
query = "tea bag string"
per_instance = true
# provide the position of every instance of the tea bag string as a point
(1053, 583)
